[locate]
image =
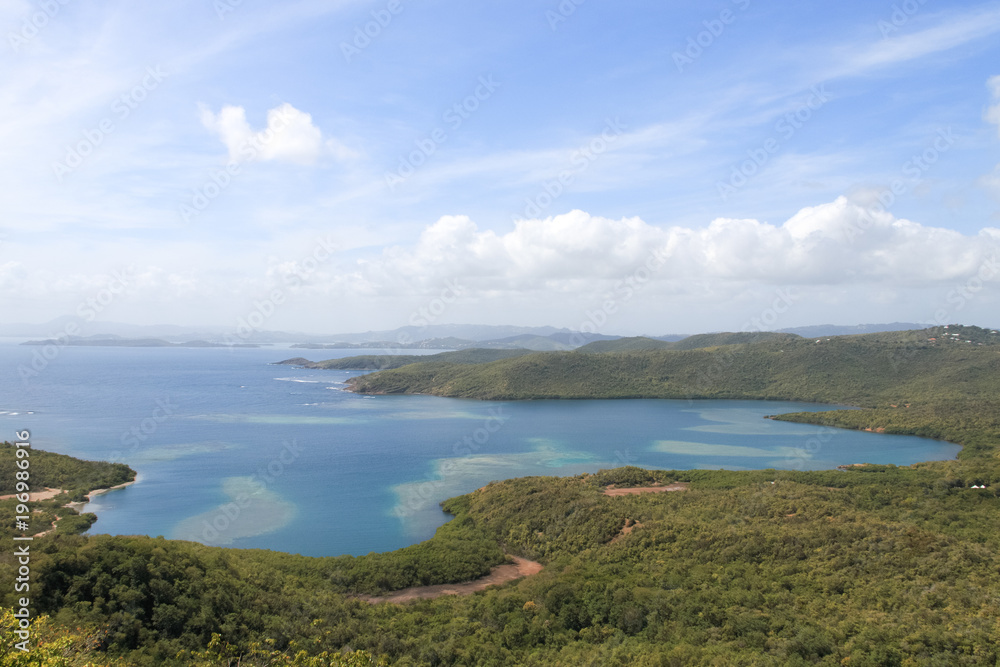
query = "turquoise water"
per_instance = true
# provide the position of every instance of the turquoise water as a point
(234, 451)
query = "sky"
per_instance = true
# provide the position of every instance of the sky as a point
(629, 167)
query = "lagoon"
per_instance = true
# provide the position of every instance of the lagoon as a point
(232, 450)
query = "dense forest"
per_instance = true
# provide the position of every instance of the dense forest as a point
(870, 565)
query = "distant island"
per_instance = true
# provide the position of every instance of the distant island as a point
(368, 362)
(114, 341)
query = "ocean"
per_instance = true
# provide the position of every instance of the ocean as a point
(232, 450)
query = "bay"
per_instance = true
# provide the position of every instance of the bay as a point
(232, 450)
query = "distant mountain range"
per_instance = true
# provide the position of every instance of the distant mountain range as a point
(436, 336)
(118, 341)
(840, 330)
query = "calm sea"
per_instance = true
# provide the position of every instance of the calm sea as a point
(234, 451)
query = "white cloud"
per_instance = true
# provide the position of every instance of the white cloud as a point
(839, 243)
(951, 32)
(839, 256)
(290, 136)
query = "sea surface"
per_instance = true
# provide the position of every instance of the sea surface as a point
(233, 450)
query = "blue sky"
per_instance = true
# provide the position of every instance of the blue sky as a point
(633, 167)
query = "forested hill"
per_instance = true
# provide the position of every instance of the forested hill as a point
(61, 472)
(47, 470)
(870, 370)
(386, 361)
(874, 565)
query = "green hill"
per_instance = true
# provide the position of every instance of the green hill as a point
(874, 565)
(366, 362)
(689, 343)
(624, 345)
(868, 370)
(56, 471)
(727, 338)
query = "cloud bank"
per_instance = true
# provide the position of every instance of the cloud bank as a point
(838, 254)
(832, 244)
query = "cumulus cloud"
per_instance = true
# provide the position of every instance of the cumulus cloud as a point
(838, 256)
(838, 243)
(289, 136)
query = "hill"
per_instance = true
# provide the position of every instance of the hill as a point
(726, 338)
(46, 470)
(867, 370)
(873, 565)
(449, 343)
(822, 330)
(388, 361)
(624, 345)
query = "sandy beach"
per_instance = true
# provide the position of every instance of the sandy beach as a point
(78, 506)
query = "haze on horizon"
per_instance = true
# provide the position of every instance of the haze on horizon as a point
(348, 166)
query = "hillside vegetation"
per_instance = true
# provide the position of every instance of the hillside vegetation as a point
(872, 566)
(625, 345)
(387, 361)
(868, 371)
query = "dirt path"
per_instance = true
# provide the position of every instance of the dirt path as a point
(612, 491)
(35, 496)
(501, 574)
(50, 530)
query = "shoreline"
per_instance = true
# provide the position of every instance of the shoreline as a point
(80, 504)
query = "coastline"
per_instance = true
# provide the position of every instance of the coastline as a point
(80, 504)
